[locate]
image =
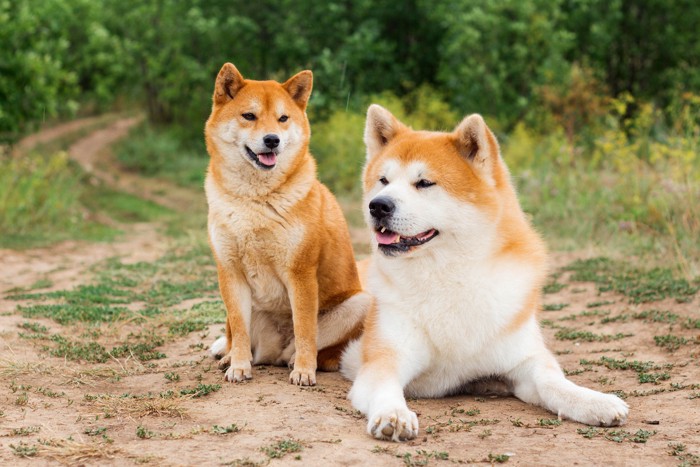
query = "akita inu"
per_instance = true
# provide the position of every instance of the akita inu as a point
(456, 273)
(285, 264)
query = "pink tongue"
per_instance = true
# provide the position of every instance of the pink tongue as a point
(387, 238)
(268, 158)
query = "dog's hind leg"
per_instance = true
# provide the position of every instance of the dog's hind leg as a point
(336, 327)
(539, 380)
(266, 339)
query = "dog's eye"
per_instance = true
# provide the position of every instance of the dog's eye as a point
(249, 116)
(284, 118)
(383, 181)
(423, 183)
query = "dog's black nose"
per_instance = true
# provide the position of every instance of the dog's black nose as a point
(381, 207)
(271, 141)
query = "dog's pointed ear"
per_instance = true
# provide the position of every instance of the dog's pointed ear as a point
(299, 87)
(478, 145)
(228, 82)
(380, 128)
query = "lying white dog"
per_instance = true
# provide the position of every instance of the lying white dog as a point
(457, 273)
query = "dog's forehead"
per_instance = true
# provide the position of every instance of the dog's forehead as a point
(394, 168)
(260, 96)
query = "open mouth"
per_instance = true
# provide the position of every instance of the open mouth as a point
(264, 160)
(392, 243)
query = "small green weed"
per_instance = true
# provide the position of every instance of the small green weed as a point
(200, 390)
(554, 306)
(35, 327)
(95, 431)
(422, 457)
(71, 350)
(282, 448)
(498, 458)
(222, 430)
(616, 435)
(553, 287)
(587, 336)
(23, 450)
(143, 433)
(172, 376)
(652, 377)
(679, 450)
(599, 303)
(548, 422)
(656, 316)
(671, 342)
(25, 431)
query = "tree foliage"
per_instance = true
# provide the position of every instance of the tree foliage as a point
(490, 56)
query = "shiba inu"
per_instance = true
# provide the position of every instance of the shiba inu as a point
(456, 272)
(285, 264)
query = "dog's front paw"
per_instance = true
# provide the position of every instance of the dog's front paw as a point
(599, 409)
(395, 425)
(238, 371)
(302, 377)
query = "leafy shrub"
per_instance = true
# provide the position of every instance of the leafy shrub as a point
(37, 193)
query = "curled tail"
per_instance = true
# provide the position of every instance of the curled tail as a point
(218, 348)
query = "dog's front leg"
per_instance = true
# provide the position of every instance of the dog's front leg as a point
(236, 294)
(303, 295)
(378, 392)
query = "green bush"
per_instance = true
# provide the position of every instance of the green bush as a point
(38, 194)
(164, 152)
(337, 142)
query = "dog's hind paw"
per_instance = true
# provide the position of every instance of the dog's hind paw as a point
(394, 425)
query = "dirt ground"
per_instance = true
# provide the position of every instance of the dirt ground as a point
(54, 410)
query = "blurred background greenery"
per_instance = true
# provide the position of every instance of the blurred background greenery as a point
(596, 102)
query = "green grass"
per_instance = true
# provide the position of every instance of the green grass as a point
(616, 435)
(185, 273)
(641, 286)
(567, 334)
(656, 316)
(123, 207)
(641, 368)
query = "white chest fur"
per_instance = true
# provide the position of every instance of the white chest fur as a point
(450, 318)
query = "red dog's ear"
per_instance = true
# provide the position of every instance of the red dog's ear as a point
(228, 82)
(478, 145)
(299, 87)
(380, 128)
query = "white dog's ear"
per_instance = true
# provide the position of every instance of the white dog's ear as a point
(380, 128)
(299, 87)
(228, 82)
(478, 145)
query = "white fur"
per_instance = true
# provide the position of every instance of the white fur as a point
(444, 310)
(218, 348)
